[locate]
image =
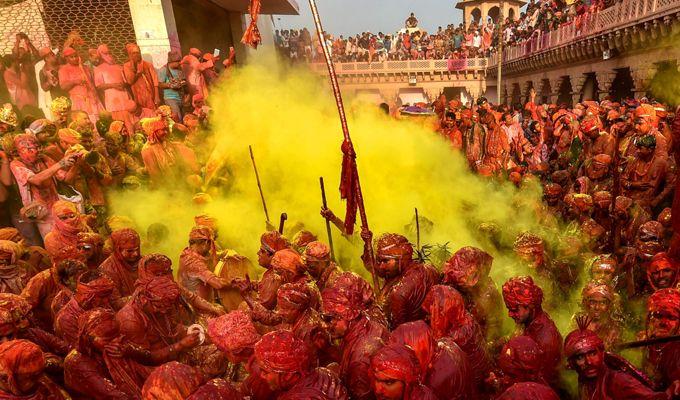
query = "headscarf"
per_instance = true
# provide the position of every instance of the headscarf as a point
(398, 362)
(394, 245)
(233, 331)
(446, 308)
(527, 242)
(272, 241)
(280, 351)
(117, 127)
(161, 291)
(69, 229)
(69, 136)
(38, 126)
(665, 301)
(521, 356)
(598, 287)
(296, 296)
(172, 381)
(466, 266)
(206, 220)
(96, 323)
(302, 239)
(416, 335)
(153, 265)
(120, 238)
(100, 287)
(13, 308)
(16, 354)
(105, 55)
(287, 260)
(60, 105)
(522, 291)
(131, 47)
(216, 389)
(11, 233)
(152, 125)
(552, 189)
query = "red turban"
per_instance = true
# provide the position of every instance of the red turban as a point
(520, 356)
(272, 241)
(303, 238)
(171, 381)
(416, 335)
(125, 236)
(92, 238)
(233, 331)
(295, 296)
(665, 301)
(216, 389)
(151, 126)
(153, 265)
(623, 203)
(131, 47)
(287, 260)
(552, 189)
(466, 266)
(15, 250)
(69, 136)
(316, 251)
(101, 287)
(605, 159)
(11, 233)
(202, 233)
(597, 287)
(527, 242)
(340, 303)
(581, 341)
(661, 261)
(446, 308)
(280, 351)
(398, 362)
(522, 291)
(161, 291)
(16, 355)
(206, 220)
(393, 244)
(665, 217)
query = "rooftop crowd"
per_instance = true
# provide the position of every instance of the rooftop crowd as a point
(479, 39)
(85, 315)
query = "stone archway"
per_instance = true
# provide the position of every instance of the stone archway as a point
(475, 15)
(564, 94)
(622, 85)
(511, 14)
(529, 86)
(545, 91)
(665, 84)
(590, 88)
(494, 13)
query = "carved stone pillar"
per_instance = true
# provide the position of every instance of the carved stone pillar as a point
(604, 82)
(577, 82)
(555, 84)
(642, 75)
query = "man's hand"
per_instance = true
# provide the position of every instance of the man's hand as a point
(189, 341)
(243, 285)
(68, 161)
(674, 389)
(366, 235)
(327, 213)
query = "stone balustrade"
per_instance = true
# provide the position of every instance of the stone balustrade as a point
(406, 66)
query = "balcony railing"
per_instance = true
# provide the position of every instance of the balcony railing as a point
(407, 66)
(620, 15)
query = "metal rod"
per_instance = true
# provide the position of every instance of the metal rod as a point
(259, 185)
(282, 222)
(417, 231)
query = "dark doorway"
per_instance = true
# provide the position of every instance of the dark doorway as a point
(622, 85)
(564, 96)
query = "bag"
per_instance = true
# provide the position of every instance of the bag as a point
(69, 193)
(36, 211)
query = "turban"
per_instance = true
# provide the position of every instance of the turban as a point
(316, 251)
(583, 201)
(152, 125)
(131, 48)
(602, 196)
(581, 340)
(117, 127)
(69, 51)
(171, 380)
(62, 207)
(233, 331)
(355, 288)
(417, 335)
(206, 220)
(8, 116)
(446, 308)
(393, 244)
(195, 52)
(101, 287)
(527, 242)
(164, 111)
(69, 136)
(39, 125)
(303, 238)
(280, 351)
(665, 301)
(589, 124)
(24, 139)
(13, 308)
(272, 241)
(645, 111)
(597, 287)
(342, 303)
(660, 260)
(522, 291)
(398, 362)
(605, 159)
(11, 233)
(12, 248)
(160, 290)
(287, 260)
(623, 203)
(650, 230)
(125, 236)
(60, 105)
(466, 266)
(552, 189)
(153, 265)
(201, 233)
(560, 177)
(16, 355)
(296, 296)
(215, 389)
(90, 238)
(520, 356)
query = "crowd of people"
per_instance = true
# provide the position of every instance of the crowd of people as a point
(478, 39)
(85, 315)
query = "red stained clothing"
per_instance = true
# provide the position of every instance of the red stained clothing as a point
(528, 391)
(47, 390)
(619, 385)
(194, 273)
(544, 332)
(89, 378)
(122, 274)
(83, 94)
(171, 381)
(405, 294)
(139, 329)
(319, 384)
(169, 161)
(450, 372)
(470, 338)
(144, 85)
(364, 337)
(39, 293)
(216, 389)
(267, 288)
(66, 322)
